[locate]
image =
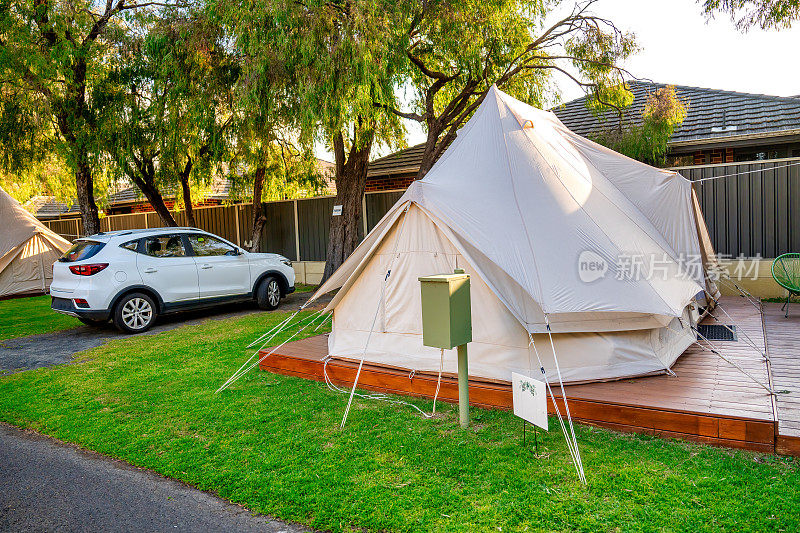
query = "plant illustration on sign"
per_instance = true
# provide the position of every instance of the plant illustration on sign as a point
(528, 387)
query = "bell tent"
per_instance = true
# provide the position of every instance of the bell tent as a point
(563, 239)
(28, 250)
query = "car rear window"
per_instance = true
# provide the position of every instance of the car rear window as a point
(82, 250)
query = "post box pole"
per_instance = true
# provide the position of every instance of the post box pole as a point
(463, 387)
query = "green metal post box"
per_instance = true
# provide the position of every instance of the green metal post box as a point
(446, 316)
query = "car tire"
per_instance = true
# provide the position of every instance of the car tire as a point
(92, 321)
(135, 313)
(268, 294)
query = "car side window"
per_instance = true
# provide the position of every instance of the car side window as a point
(133, 245)
(164, 246)
(207, 246)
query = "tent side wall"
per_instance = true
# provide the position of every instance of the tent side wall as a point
(500, 342)
(28, 268)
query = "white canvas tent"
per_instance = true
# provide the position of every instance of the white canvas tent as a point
(523, 205)
(28, 250)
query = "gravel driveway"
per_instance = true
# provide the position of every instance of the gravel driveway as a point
(57, 348)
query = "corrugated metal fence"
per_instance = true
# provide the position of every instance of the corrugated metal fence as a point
(297, 229)
(756, 211)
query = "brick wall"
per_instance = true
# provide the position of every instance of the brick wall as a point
(145, 207)
(715, 156)
(389, 182)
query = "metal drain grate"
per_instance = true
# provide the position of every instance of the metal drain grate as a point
(717, 332)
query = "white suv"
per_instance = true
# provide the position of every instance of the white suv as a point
(133, 276)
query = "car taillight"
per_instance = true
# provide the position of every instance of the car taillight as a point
(80, 302)
(88, 270)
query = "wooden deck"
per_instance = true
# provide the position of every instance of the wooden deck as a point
(709, 401)
(783, 338)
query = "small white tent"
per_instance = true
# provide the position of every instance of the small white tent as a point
(28, 250)
(524, 205)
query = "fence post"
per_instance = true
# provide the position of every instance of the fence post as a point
(364, 212)
(296, 232)
(238, 229)
(77, 229)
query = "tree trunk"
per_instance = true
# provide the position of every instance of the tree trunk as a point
(434, 146)
(147, 186)
(258, 209)
(187, 193)
(428, 155)
(351, 177)
(85, 189)
(70, 120)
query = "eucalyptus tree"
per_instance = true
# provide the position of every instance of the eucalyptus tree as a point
(51, 55)
(764, 14)
(273, 168)
(168, 106)
(647, 141)
(132, 104)
(317, 67)
(347, 61)
(202, 74)
(454, 51)
(267, 152)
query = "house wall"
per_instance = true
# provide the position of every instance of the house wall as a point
(145, 207)
(755, 277)
(390, 182)
(688, 155)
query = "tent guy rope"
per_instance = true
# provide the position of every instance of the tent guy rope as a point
(715, 350)
(244, 368)
(571, 443)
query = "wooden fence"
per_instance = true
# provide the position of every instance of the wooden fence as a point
(754, 212)
(297, 229)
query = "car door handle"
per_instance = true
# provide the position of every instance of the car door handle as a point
(150, 270)
(206, 266)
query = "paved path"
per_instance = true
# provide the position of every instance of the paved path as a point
(46, 485)
(57, 348)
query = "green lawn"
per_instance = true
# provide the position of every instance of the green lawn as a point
(21, 317)
(272, 443)
(302, 287)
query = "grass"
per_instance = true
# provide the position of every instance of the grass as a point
(20, 317)
(302, 287)
(272, 443)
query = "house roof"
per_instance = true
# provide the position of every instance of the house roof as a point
(220, 190)
(44, 207)
(711, 114)
(405, 161)
(125, 195)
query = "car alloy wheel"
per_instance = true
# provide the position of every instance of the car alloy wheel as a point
(137, 313)
(273, 293)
